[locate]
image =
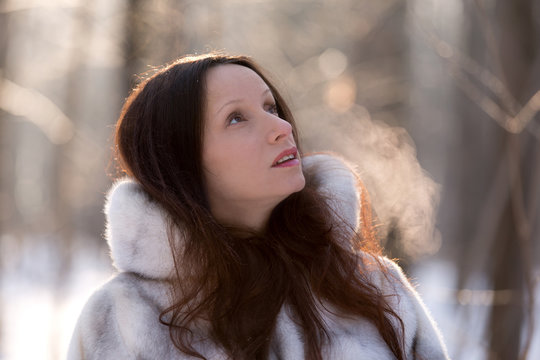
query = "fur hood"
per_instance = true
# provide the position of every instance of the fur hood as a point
(137, 228)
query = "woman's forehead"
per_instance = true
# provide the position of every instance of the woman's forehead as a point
(225, 80)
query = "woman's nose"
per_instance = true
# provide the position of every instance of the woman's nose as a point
(279, 130)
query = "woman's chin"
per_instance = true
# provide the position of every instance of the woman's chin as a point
(301, 183)
(295, 185)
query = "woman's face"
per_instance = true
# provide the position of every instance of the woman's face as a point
(249, 154)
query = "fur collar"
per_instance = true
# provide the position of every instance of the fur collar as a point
(136, 226)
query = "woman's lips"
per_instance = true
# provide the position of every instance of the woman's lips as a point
(293, 160)
(288, 163)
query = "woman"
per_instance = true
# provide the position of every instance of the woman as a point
(230, 245)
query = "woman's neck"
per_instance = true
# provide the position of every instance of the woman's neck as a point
(250, 216)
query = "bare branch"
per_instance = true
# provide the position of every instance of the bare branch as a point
(460, 65)
(37, 109)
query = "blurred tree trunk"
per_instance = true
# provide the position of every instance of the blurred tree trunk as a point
(4, 172)
(506, 273)
(511, 271)
(133, 49)
(62, 172)
(154, 35)
(499, 172)
(390, 29)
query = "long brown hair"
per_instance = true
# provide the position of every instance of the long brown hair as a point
(231, 282)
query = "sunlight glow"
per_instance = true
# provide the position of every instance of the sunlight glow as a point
(340, 94)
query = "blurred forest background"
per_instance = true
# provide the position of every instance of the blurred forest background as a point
(437, 102)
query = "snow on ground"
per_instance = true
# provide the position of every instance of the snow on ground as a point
(461, 315)
(37, 321)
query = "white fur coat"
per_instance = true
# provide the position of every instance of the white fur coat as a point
(120, 320)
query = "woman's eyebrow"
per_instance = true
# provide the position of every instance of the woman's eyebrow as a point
(268, 90)
(227, 103)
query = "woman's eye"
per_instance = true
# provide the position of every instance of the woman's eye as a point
(235, 119)
(272, 109)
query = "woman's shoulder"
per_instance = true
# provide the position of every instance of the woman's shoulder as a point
(421, 332)
(118, 316)
(125, 299)
(127, 285)
(384, 273)
(391, 280)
